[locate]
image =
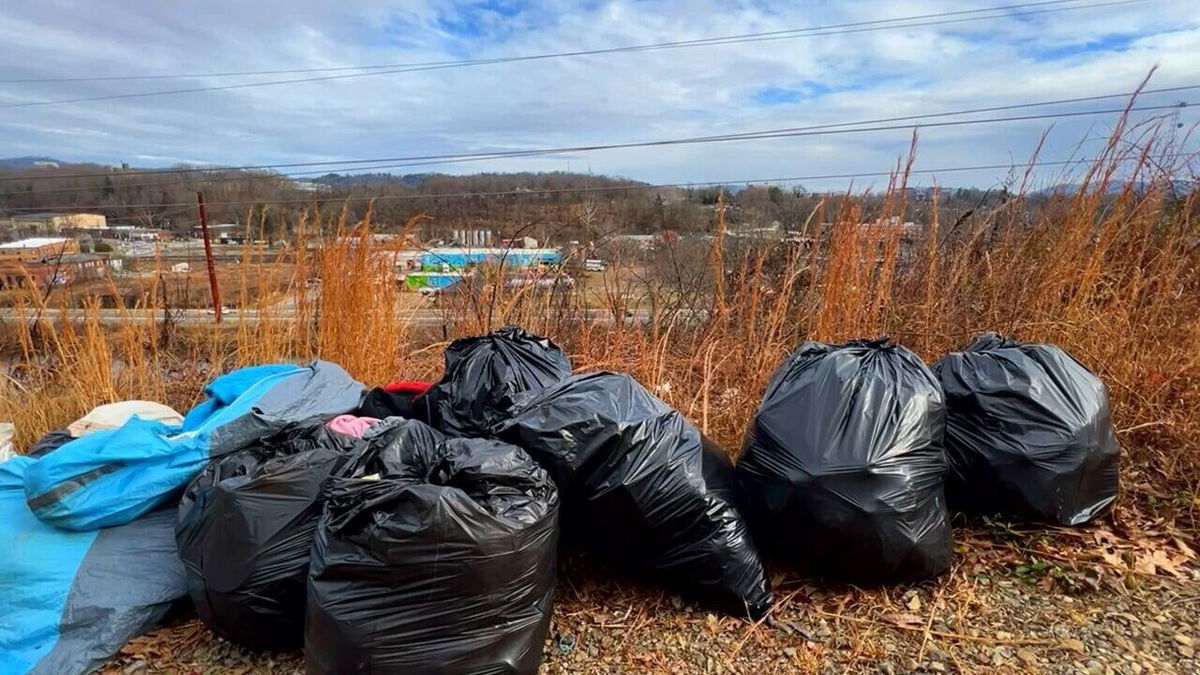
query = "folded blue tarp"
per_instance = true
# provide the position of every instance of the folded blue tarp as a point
(87, 559)
(69, 600)
(112, 477)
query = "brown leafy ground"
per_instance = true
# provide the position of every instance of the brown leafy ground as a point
(1122, 596)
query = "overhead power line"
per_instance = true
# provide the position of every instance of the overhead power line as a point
(659, 45)
(788, 132)
(593, 189)
(1005, 11)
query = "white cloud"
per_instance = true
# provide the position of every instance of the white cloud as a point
(571, 101)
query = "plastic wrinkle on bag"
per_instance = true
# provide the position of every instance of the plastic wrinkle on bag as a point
(1029, 434)
(484, 376)
(245, 528)
(643, 487)
(436, 556)
(843, 464)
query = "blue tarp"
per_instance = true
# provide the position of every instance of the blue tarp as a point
(113, 476)
(69, 600)
(87, 548)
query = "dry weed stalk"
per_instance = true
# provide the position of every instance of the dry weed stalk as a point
(1110, 272)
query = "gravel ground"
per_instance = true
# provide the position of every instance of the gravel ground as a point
(1096, 601)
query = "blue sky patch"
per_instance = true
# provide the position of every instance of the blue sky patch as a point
(1116, 42)
(476, 19)
(805, 91)
(810, 90)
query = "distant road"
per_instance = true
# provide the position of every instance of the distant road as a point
(426, 316)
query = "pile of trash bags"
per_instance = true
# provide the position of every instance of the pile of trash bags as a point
(415, 527)
(858, 451)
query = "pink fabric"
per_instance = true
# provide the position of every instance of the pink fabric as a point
(351, 425)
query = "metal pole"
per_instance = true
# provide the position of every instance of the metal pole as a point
(208, 258)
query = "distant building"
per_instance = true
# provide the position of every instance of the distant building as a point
(133, 233)
(893, 224)
(54, 223)
(645, 241)
(222, 233)
(37, 248)
(472, 238)
(519, 242)
(454, 259)
(45, 262)
(415, 281)
(309, 186)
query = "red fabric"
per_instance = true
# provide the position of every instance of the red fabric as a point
(408, 387)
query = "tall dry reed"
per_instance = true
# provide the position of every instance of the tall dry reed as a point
(1111, 272)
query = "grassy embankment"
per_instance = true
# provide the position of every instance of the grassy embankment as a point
(1111, 272)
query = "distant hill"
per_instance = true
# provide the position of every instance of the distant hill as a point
(478, 181)
(338, 180)
(29, 162)
(1116, 187)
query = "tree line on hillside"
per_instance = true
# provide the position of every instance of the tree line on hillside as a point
(553, 207)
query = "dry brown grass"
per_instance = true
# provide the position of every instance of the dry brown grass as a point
(1109, 272)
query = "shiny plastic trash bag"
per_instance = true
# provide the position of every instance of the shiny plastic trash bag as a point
(643, 487)
(843, 464)
(485, 374)
(245, 528)
(437, 556)
(1028, 433)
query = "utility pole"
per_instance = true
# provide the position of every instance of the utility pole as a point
(208, 258)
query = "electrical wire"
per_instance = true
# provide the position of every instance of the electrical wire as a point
(793, 34)
(789, 132)
(517, 192)
(293, 71)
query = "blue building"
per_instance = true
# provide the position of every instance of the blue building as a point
(439, 259)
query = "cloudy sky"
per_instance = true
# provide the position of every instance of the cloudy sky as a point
(1016, 57)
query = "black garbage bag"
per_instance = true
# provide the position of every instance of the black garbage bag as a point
(643, 487)
(1028, 433)
(438, 556)
(245, 527)
(843, 464)
(485, 374)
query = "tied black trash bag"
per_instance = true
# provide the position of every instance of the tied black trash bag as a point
(642, 486)
(1028, 433)
(843, 464)
(485, 374)
(245, 526)
(437, 557)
